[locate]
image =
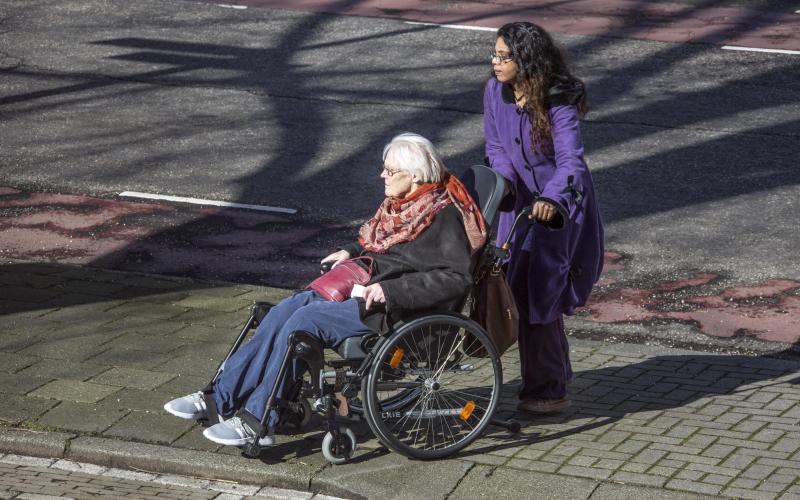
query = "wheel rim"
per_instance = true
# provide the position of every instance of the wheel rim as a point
(456, 390)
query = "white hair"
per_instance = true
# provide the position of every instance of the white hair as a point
(416, 155)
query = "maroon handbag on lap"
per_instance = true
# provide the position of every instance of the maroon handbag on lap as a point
(336, 284)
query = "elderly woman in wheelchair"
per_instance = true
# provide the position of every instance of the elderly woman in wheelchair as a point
(425, 378)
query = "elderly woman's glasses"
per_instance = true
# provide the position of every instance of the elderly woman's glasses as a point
(391, 171)
(500, 58)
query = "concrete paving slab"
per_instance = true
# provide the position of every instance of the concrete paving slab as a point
(143, 326)
(152, 342)
(76, 299)
(391, 476)
(204, 333)
(160, 312)
(11, 362)
(12, 343)
(231, 320)
(16, 409)
(149, 427)
(184, 384)
(82, 417)
(120, 356)
(20, 384)
(146, 457)
(194, 440)
(486, 482)
(74, 348)
(62, 369)
(73, 390)
(132, 377)
(90, 310)
(201, 364)
(131, 398)
(34, 443)
(213, 303)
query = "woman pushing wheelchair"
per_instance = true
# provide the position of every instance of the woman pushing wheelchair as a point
(420, 242)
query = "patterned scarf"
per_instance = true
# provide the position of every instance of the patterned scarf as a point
(399, 220)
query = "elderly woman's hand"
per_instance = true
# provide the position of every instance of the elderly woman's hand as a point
(336, 258)
(374, 293)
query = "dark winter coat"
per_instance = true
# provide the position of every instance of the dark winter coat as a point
(431, 272)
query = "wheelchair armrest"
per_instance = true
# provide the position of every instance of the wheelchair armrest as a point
(355, 348)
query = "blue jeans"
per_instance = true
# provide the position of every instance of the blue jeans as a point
(250, 374)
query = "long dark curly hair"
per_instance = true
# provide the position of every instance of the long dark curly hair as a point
(540, 66)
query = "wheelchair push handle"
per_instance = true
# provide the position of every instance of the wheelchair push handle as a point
(326, 266)
(524, 213)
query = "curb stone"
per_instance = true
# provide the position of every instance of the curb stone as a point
(163, 460)
(34, 443)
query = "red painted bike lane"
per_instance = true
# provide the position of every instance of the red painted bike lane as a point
(251, 247)
(663, 22)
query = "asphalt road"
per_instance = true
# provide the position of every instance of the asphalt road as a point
(694, 149)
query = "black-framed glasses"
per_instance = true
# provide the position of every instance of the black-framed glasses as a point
(500, 58)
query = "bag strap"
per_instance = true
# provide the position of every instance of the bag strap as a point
(366, 258)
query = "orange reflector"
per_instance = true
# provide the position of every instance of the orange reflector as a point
(467, 411)
(396, 357)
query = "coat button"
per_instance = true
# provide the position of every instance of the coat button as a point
(519, 111)
(516, 139)
(527, 167)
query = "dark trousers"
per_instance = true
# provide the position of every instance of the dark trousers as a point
(544, 360)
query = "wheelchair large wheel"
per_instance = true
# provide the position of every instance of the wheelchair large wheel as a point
(447, 374)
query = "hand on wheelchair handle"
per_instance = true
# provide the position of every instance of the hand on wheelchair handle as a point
(541, 211)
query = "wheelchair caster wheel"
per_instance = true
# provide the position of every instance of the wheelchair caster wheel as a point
(303, 413)
(339, 451)
(514, 427)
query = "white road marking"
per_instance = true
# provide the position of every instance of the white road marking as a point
(228, 6)
(486, 28)
(199, 201)
(454, 26)
(755, 49)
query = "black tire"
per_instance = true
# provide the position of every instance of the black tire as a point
(455, 392)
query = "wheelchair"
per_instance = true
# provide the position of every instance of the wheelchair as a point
(427, 389)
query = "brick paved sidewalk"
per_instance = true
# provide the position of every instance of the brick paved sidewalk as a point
(93, 355)
(32, 478)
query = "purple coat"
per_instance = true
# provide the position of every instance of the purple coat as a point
(550, 271)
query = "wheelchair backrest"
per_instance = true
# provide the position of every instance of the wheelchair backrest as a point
(486, 187)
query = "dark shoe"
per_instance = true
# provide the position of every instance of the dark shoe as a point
(544, 406)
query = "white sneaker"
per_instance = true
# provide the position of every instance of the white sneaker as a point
(191, 407)
(235, 432)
